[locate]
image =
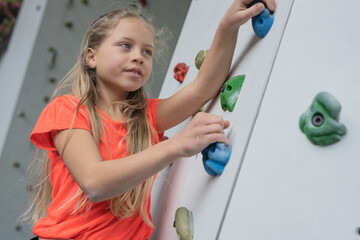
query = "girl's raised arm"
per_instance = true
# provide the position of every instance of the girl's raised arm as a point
(213, 71)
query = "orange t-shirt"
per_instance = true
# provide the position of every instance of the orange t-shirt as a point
(99, 222)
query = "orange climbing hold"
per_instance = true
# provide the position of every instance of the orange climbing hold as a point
(180, 71)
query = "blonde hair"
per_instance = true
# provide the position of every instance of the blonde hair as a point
(80, 81)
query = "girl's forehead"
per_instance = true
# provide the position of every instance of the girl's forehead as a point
(133, 27)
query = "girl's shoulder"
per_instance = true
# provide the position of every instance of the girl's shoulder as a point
(70, 100)
(151, 108)
(152, 103)
(60, 114)
(65, 105)
(152, 116)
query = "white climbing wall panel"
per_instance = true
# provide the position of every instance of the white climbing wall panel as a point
(186, 183)
(289, 188)
(277, 186)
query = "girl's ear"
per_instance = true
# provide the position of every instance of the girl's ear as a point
(90, 58)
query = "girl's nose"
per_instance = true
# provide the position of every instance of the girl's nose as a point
(137, 57)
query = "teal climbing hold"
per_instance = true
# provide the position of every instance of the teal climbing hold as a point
(230, 92)
(215, 158)
(320, 122)
(262, 22)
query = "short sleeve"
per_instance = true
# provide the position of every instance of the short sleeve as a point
(59, 115)
(151, 111)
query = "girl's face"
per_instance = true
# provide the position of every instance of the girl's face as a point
(123, 61)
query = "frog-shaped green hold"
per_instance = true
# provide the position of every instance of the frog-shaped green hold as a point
(230, 92)
(320, 122)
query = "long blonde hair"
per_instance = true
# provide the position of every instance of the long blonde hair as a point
(80, 81)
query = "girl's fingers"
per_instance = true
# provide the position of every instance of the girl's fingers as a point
(253, 10)
(226, 124)
(216, 137)
(214, 133)
(216, 128)
(213, 128)
(207, 128)
(270, 4)
(207, 119)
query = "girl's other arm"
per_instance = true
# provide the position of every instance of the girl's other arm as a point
(101, 180)
(213, 71)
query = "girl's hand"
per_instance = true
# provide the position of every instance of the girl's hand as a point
(203, 130)
(239, 13)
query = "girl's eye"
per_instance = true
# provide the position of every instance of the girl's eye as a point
(148, 52)
(124, 45)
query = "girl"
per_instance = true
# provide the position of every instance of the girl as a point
(103, 135)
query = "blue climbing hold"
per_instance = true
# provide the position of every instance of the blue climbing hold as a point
(215, 158)
(262, 22)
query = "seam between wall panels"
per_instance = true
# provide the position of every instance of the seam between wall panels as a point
(253, 125)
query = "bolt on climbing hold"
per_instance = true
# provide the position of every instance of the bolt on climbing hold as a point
(21, 114)
(85, 2)
(320, 122)
(16, 164)
(200, 57)
(46, 99)
(215, 158)
(52, 80)
(184, 224)
(230, 92)
(18, 227)
(68, 24)
(180, 71)
(53, 52)
(262, 22)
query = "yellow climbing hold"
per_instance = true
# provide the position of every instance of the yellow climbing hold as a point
(200, 57)
(184, 224)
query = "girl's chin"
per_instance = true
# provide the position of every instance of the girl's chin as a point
(131, 88)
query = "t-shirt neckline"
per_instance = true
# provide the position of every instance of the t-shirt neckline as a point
(104, 115)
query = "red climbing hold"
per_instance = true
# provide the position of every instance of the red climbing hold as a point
(180, 71)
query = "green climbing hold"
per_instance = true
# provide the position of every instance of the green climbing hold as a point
(200, 57)
(230, 92)
(320, 122)
(184, 224)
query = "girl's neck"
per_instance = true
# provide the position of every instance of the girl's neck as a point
(107, 104)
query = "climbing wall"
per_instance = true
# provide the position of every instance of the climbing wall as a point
(277, 185)
(289, 188)
(185, 183)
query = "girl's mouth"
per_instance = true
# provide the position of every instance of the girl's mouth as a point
(135, 72)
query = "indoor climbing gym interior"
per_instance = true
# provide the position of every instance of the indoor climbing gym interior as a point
(292, 97)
